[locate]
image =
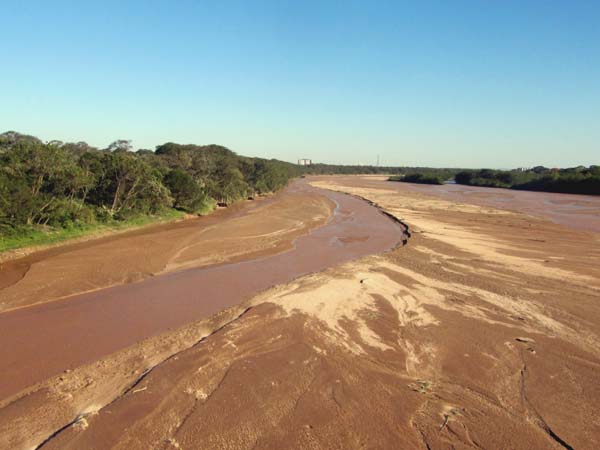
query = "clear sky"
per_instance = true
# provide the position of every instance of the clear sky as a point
(442, 83)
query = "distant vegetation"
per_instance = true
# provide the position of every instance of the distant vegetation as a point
(337, 169)
(64, 188)
(576, 180)
(426, 176)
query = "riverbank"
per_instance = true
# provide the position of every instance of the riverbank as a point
(245, 230)
(35, 240)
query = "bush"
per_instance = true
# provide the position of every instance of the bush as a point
(63, 213)
(464, 177)
(422, 178)
(430, 177)
(187, 194)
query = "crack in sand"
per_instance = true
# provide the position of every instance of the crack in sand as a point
(204, 400)
(533, 414)
(138, 380)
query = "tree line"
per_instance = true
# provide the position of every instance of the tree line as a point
(61, 184)
(338, 169)
(574, 180)
(426, 176)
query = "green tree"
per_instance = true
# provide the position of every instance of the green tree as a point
(127, 184)
(187, 193)
(36, 176)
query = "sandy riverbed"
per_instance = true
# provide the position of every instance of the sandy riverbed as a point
(482, 332)
(44, 339)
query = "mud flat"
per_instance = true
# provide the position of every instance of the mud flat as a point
(482, 332)
(575, 211)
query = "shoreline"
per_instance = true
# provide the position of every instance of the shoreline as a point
(107, 231)
(91, 235)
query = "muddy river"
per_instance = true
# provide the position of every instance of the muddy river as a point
(43, 340)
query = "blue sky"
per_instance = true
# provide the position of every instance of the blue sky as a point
(440, 83)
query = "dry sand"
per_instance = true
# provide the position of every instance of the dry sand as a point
(482, 332)
(575, 211)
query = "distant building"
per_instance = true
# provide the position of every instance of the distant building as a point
(305, 162)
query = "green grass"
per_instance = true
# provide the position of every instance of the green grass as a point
(207, 207)
(27, 237)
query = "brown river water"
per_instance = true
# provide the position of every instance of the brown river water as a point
(43, 340)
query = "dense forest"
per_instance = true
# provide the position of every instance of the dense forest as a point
(61, 185)
(575, 180)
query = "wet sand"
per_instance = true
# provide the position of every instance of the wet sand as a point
(245, 231)
(16, 263)
(42, 340)
(482, 332)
